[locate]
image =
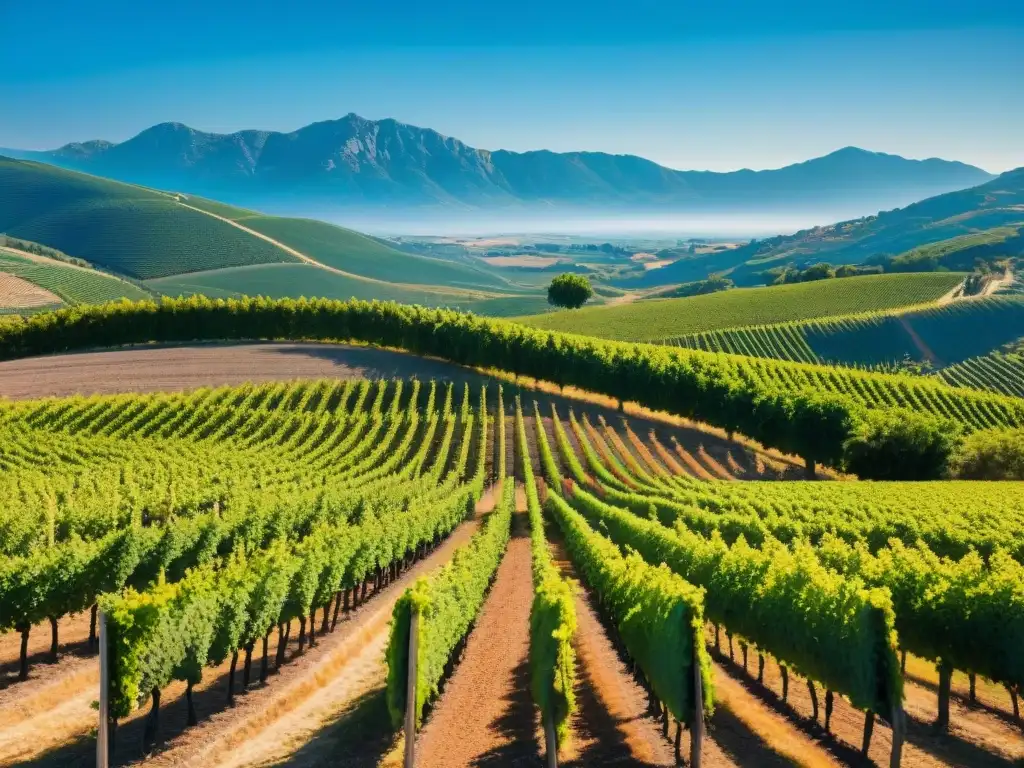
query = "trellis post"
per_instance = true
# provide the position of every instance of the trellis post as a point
(102, 732)
(410, 689)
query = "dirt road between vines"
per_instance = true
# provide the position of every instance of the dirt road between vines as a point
(485, 715)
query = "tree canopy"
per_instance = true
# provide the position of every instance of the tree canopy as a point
(568, 290)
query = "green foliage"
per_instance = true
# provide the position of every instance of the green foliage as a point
(671, 318)
(1000, 371)
(74, 285)
(965, 612)
(990, 455)
(752, 397)
(713, 284)
(129, 229)
(784, 601)
(658, 615)
(906, 446)
(447, 603)
(552, 613)
(570, 291)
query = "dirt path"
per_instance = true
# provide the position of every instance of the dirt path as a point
(976, 739)
(310, 260)
(922, 347)
(611, 725)
(485, 715)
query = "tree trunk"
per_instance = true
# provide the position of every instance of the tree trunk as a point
(92, 625)
(679, 743)
(945, 679)
(192, 719)
(326, 623)
(869, 728)
(231, 678)
(337, 608)
(312, 629)
(729, 635)
(828, 711)
(1013, 700)
(785, 683)
(812, 469)
(760, 667)
(664, 721)
(264, 662)
(111, 735)
(345, 604)
(152, 729)
(23, 668)
(973, 680)
(814, 701)
(54, 641)
(247, 669)
(279, 655)
(744, 649)
(302, 633)
(903, 662)
(718, 640)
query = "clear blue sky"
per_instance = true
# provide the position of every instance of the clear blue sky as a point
(718, 86)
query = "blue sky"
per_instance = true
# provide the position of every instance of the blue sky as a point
(691, 85)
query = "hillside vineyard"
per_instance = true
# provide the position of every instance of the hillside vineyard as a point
(205, 524)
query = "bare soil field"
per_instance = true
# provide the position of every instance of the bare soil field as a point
(17, 293)
(520, 260)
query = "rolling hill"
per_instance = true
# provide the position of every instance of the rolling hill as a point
(950, 230)
(71, 284)
(660, 319)
(353, 162)
(192, 245)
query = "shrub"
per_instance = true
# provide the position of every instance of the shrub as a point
(990, 455)
(901, 446)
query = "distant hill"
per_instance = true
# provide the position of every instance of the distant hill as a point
(354, 162)
(658, 320)
(146, 234)
(980, 221)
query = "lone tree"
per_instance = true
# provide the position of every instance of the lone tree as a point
(568, 290)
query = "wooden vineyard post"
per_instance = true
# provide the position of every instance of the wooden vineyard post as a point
(898, 728)
(410, 690)
(697, 726)
(102, 732)
(551, 741)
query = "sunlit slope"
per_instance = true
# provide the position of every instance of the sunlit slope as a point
(131, 230)
(661, 319)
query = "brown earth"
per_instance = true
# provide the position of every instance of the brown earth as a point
(17, 293)
(485, 715)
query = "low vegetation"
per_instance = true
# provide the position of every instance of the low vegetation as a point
(659, 320)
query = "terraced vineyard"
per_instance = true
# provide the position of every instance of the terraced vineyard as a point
(243, 542)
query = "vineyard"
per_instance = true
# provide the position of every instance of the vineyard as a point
(73, 285)
(227, 545)
(1000, 371)
(656, 320)
(19, 295)
(944, 336)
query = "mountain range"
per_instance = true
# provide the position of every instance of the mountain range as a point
(355, 163)
(979, 222)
